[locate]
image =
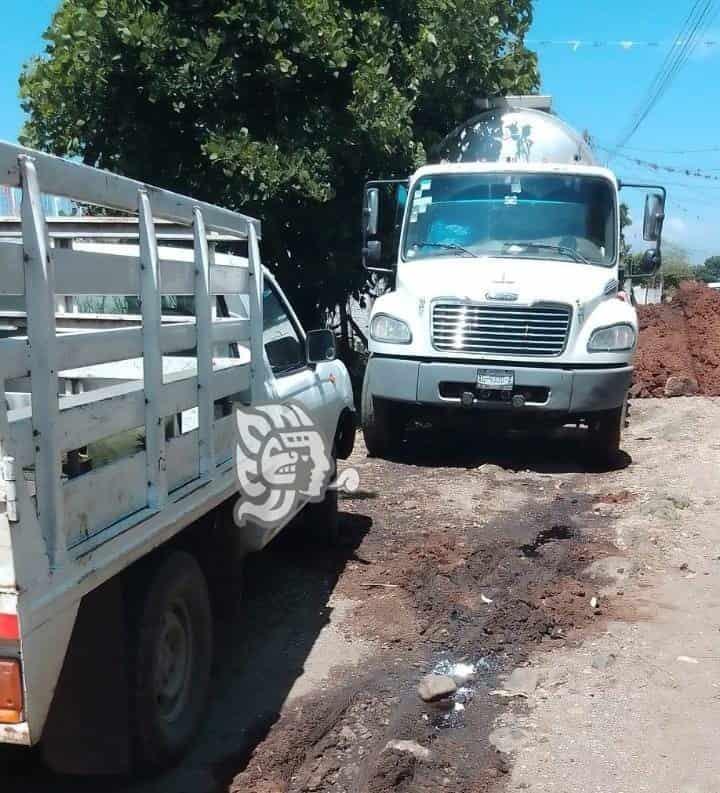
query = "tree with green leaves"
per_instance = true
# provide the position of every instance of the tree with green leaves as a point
(710, 271)
(280, 108)
(625, 221)
(676, 265)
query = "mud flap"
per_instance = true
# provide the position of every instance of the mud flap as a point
(87, 728)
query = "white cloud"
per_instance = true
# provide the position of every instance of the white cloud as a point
(699, 236)
(676, 226)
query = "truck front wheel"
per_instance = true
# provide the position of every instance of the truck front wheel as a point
(606, 430)
(382, 423)
(171, 661)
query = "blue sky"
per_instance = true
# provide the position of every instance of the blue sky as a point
(594, 88)
(599, 89)
(27, 19)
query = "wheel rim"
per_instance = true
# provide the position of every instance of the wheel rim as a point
(173, 662)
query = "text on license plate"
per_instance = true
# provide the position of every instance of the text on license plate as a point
(496, 379)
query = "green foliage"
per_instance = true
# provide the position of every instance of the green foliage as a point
(277, 107)
(676, 265)
(710, 271)
(625, 221)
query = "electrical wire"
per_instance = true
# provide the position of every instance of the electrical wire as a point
(643, 150)
(680, 170)
(698, 20)
(672, 63)
(624, 44)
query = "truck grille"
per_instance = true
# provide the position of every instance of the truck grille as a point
(500, 330)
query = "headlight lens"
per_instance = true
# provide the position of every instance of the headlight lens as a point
(390, 330)
(616, 338)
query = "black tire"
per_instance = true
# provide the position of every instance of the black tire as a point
(382, 423)
(222, 554)
(171, 660)
(606, 431)
(321, 519)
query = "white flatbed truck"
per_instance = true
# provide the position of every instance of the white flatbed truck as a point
(117, 436)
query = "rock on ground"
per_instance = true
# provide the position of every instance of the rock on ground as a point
(435, 687)
(681, 386)
(410, 747)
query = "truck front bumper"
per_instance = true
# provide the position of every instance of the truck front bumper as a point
(563, 389)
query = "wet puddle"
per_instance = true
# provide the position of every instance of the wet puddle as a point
(553, 534)
(450, 713)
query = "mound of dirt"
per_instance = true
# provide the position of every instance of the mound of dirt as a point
(680, 339)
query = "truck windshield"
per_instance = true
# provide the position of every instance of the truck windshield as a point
(520, 215)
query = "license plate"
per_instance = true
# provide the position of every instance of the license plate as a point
(495, 379)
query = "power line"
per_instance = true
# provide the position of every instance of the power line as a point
(669, 68)
(695, 23)
(699, 188)
(623, 44)
(691, 191)
(642, 149)
(681, 170)
(673, 64)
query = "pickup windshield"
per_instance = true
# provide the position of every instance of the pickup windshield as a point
(520, 215)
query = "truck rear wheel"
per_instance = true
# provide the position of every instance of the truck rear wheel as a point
(382, 423)
(171, 661)
(606, 430)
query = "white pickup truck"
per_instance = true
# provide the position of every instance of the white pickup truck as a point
(120, 363)
(506, 302)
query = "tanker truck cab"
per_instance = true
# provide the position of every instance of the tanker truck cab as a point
(506, 299)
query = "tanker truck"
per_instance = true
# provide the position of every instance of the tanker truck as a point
(506, 303)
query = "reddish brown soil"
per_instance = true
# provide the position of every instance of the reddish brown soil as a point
(680, 338)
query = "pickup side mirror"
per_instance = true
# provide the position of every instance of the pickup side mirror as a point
(372, 210)
(650, 262)
(654, 217)
(320, 346)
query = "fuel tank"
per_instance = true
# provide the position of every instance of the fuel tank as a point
(515, 135)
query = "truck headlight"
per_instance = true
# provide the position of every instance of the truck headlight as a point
(615, 338)
(390, 330)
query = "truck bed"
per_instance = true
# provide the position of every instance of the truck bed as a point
(116, 432)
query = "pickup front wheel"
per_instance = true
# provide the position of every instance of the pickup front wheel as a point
(383, 424)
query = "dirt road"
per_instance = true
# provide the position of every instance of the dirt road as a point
(478, 556)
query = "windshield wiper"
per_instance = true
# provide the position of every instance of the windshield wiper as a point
(546, 246)
(448, 246)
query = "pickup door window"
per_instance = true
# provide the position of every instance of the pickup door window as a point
(284, 349)
(292, 378)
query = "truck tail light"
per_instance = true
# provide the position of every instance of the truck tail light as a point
(9, 627)
(11, 698)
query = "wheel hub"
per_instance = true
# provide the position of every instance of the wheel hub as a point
(173, 662)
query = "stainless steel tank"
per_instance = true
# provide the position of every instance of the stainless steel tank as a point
(515, 135)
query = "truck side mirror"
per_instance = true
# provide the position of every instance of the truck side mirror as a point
(372, 210)
(654, 217)
(320, 346)
(650, 262)
(373, 253)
